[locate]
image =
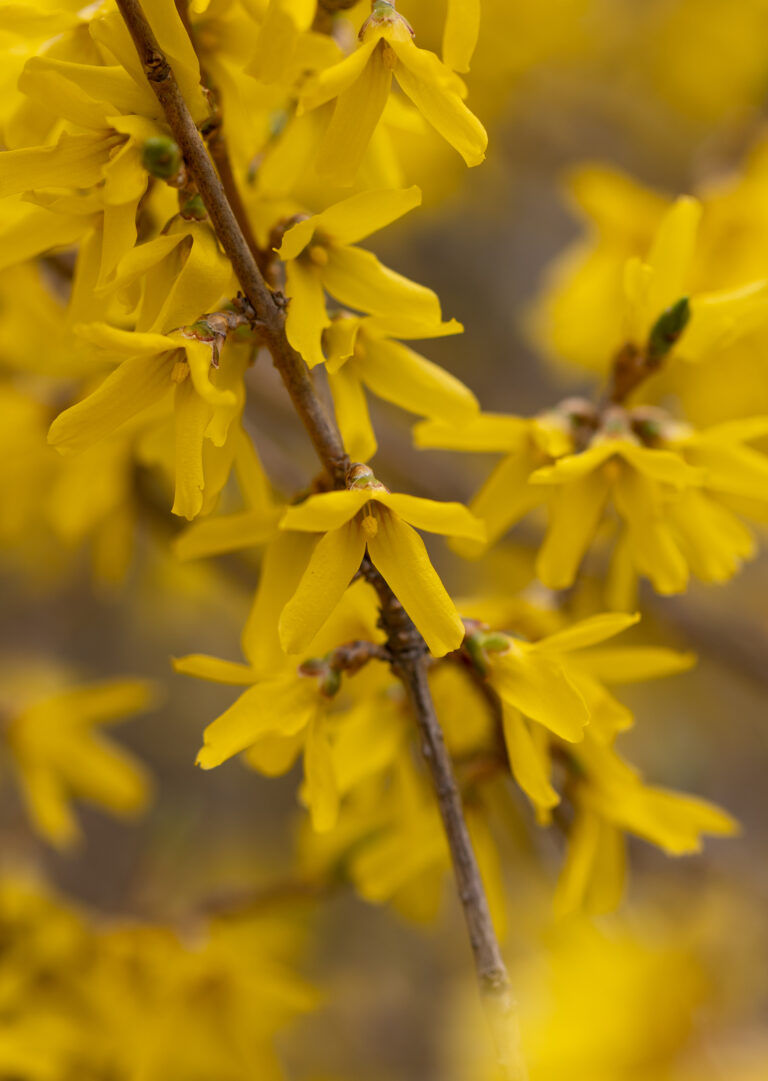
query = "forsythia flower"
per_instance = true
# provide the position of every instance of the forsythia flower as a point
(361, 353)
(320, 256)
(611, 800)
(677, 493)
(672, 498)
(598, 294)
(206, 400)
(527, 444)
(361, 84)
(286, 711)
(368, 517)
(59, 755)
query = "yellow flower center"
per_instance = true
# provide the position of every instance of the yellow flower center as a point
(318, 254)
(370, 525)
(180, 371)
(388, 55)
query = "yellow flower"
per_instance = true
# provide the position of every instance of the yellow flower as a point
(611, 799)
(109, 112)
(636, 261)
(361, 84)
(506, 496)
(361, 353)
(59, 756)
(462, 27)
(368, 517)
(320, 255)
(672, 498)
(287, 710)
(206, 399)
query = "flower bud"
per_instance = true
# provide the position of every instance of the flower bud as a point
(161, 157)
(668, 328)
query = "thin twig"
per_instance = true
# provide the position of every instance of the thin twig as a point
(403, 640)
(216, 141)
(268, 305)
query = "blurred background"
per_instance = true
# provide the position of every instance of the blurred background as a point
(673, 987)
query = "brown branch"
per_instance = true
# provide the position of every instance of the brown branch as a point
(216, 141)
(409, 661)
(406, 645)
(268, 305)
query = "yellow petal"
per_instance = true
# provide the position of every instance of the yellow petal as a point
(401, 376)
(200, 358)
(274, 755)
(34, 231)
(307, 317)
(587, 632)
(671, 256)
(137, 384)
(191, 416)
(201, 666)
(358, 111)
(108, 83)
(583, 843)
(504, 499)
(650, 539)
(104, 774)
(227, 533)
(720, 319)
(663, 466)
(284, 704)
(396, 324)
(42, 83)
(336, 79)
(365, 213)
(420, 75)
(575, 514)
(184, 293)
(635, 665)
(358, 279)
(486, 432)
(540, 688)
(76, 161)
(674, 821)
(98, 703)
(712, 540)
(399, 555)
(450, 519)
(327, 510)
(45, 798)
(333, 564)
(123, 343)
(352, 414)
(462, 26)
(322, 792)
(284, 562)
(530, 767)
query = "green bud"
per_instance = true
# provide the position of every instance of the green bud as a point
(194, 209)
(161, 157)
(495, 642)
(331, 683)
(473, 644)
(668, 328)
(313, 666)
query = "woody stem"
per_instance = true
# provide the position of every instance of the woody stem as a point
(407, 645)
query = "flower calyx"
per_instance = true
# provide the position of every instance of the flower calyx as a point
(633, 364)
(349, 658)
(383, 14)
(479, 643)
(362, 476)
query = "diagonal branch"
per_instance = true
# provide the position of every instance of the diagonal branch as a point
(406, 645)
